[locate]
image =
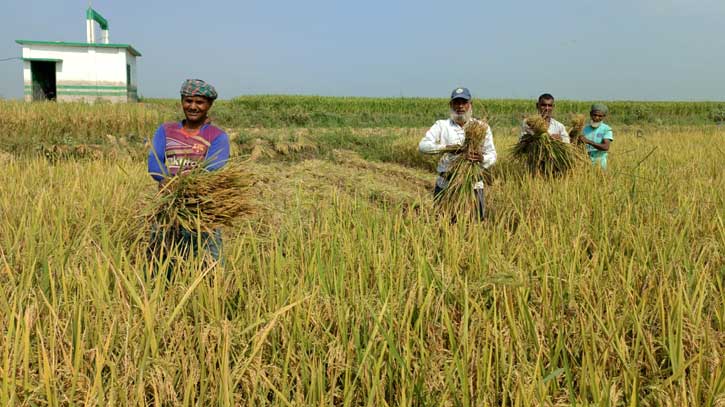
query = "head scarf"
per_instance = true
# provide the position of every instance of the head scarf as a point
(197, 87)
(599, 107)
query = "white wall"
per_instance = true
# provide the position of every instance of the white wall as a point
(80, 64)
(131, 60)
(85, 70)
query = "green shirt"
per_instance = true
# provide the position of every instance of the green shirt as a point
(598, 135)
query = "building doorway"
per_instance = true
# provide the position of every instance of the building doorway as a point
(43, 77)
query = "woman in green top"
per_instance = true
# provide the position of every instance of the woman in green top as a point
(597, 135)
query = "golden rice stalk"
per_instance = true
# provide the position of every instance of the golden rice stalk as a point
(537, 124)
(299, 145)
(543, 155)
(261, 149)
(202, 200)
(577, 125)
(458, 198)
(475, 134)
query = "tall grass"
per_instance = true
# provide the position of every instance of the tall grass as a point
(346, 289)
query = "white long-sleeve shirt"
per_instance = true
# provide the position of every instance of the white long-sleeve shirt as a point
(447, 132)
(554, 128)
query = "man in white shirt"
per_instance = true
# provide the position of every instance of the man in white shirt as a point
(449, 133)
(545, 106)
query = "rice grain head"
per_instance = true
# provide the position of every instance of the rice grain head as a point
(577, 125)
(475, 134)
(202, 200)
(543, 155)
(537, 124)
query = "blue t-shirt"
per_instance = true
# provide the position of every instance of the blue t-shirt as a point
(171, 146)
(598, 135)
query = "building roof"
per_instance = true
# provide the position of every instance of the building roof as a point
(130, 49)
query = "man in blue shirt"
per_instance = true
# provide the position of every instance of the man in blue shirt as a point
(597, 135)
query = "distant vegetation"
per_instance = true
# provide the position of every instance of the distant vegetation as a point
(27, 125)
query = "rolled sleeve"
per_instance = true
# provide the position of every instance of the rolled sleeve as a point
(431, 142)
(218, 153)
(608, 135)
(157, 156)
(489, 150)
(565, 135)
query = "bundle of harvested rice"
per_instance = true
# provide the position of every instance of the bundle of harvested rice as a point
(202, 200)
(271, 148)
(577, 125)
(458, 198)
(542, 154)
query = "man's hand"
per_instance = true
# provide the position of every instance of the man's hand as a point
(583, 139)
(556, 136)
(474, 156)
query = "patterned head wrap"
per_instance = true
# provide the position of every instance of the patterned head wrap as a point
(197, 87)
(600, 107)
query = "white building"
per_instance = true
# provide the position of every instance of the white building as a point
(72, 71)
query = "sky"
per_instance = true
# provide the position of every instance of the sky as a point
(574, 49)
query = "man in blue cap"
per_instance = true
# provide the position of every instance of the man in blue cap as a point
(448, 133)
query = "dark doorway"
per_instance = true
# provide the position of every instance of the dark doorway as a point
(43, 74)
(129, 88)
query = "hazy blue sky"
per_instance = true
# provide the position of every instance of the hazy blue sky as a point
(575, 49)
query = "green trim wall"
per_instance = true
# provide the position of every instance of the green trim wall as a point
(84, 90)
(89, 93)
(93, 87)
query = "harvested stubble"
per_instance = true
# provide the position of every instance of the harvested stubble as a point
(202, 200)
(541, 154)
(458, 199)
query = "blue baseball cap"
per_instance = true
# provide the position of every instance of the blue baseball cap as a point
(461, 93)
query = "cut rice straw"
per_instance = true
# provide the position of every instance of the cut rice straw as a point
(577, 125)
(458, 199)
(204, 200)
(542, 154)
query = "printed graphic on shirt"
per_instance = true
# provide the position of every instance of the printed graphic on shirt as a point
(199, 148)
(176, 164)
(185, 153)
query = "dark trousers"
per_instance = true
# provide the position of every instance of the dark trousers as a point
(188, 243)
(480, 200)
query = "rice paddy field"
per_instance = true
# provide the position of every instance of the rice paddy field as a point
(346, 287)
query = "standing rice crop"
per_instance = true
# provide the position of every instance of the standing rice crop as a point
(542, 154)
(458, 198)
(347, 302)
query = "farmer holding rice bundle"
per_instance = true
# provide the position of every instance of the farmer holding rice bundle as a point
(448, 136)
(180, 147)
(597, 135)
(544, 145)
(545, 106)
